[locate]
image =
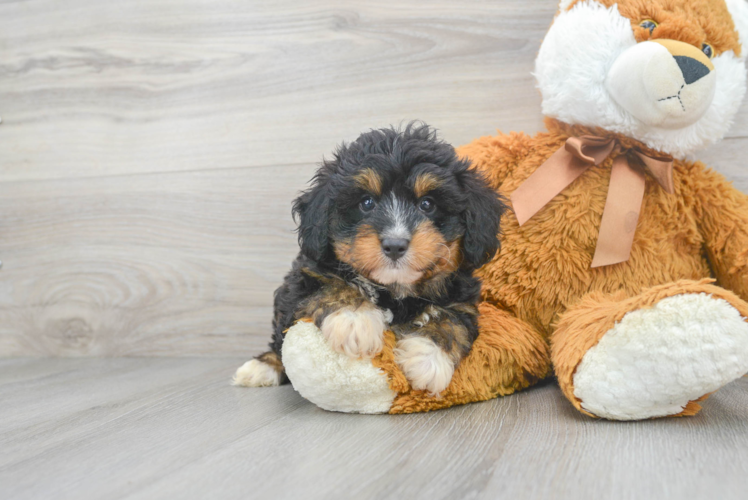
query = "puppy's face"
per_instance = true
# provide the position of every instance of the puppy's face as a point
(400, 225)
(400, 208)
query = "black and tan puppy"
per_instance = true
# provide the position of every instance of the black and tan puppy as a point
(390, 233)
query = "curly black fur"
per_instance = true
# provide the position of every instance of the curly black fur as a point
(467, 210)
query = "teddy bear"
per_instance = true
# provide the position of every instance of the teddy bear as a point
(623, 270)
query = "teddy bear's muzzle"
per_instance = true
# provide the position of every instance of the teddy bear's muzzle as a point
(663, 83)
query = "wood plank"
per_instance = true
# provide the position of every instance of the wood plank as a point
(27, 421)
(91, 88)
(531, 445)
(162, 264)
(94, 89)
(160, 428)
(105, 426)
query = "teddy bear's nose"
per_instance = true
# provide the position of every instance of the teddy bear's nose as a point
(394, 248)
(692, 69)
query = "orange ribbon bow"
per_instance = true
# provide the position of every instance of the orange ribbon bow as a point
(625, 193)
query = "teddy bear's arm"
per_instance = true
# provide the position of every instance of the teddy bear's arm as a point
(723, 220)
(496, 156)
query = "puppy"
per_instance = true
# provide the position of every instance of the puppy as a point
(390, 233)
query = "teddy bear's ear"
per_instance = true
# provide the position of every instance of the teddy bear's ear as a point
(739, 12)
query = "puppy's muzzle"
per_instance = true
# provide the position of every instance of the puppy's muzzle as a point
(663, 83)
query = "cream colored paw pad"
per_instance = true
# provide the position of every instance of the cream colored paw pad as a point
(654, 361)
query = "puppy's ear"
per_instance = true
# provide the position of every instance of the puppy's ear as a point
(312, 211)
(481, 217)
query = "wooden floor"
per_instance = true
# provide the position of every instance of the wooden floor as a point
(151, 428)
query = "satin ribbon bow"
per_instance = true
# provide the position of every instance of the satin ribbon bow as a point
(625, 193)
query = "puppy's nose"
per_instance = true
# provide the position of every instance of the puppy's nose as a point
(394, 248)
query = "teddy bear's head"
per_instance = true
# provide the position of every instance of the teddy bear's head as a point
(669, 73)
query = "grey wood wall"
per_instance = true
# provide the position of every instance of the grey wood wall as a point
(150, 150)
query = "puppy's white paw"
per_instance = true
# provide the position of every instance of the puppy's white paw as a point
(425, 364)
(356, 332)
(255, 373)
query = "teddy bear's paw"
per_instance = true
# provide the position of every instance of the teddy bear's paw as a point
(657, 361)
(331, 380)
(356, 332)
(425, 364)
(255, 373)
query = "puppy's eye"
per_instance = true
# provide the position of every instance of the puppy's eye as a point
(708, 50)
(367, 204)
(648, 24)
(426, 205)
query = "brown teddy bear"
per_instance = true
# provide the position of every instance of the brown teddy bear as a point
(624, 265)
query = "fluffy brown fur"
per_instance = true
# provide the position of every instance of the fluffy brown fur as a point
(694, 22)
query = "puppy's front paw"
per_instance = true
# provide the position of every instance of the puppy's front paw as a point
(356, 332)
(425, 364)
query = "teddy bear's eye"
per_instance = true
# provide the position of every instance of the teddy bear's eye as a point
(708, 50)
(648, 24)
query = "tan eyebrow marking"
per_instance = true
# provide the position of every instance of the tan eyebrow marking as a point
(425, 183)
(370, 181)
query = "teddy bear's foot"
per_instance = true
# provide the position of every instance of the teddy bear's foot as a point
(652, 355)
(332, 380)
